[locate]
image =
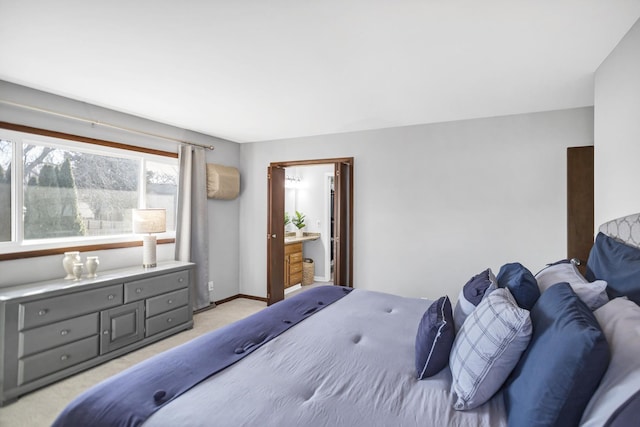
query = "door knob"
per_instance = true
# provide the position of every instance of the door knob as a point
(273, 236)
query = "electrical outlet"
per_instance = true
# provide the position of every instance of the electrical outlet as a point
(210, 285)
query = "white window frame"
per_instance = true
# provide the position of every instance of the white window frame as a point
(18, 244)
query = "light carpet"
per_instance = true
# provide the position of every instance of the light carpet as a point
(40, 407)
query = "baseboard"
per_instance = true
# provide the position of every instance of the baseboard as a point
(293, 288)
(222, 301)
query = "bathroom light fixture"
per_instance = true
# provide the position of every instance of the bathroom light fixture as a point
(146, 222)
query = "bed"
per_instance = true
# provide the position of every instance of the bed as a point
(551, 349)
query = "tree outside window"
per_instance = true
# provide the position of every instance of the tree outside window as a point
(71, 193)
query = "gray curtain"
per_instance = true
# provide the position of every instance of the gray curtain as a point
(192, 225)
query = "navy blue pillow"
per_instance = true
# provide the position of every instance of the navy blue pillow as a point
(616, 263)
(521, 283)
(434, 339)
(476, 287)
(471, 294)
(562, 367)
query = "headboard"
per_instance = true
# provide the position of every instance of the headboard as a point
(625, 229)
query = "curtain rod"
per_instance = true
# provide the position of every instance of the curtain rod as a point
(105, 124)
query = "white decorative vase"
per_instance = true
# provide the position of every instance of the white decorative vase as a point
(299, 233)
(92, 266)
(77, 270)
(67, 262)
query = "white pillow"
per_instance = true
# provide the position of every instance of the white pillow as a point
(593, 294)
(620, 322)
(487, 348)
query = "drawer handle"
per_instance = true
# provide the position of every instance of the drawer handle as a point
(180, 280)
(64, 357)
(43, 312)
(111, 296)
(138, 290)
(64, 332)
(170, 301)
(105, 332)
(169, 320)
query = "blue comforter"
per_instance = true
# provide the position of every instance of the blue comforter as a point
(130, 397)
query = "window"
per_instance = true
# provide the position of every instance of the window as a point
(73, 193)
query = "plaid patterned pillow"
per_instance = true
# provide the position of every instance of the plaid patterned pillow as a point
(487, 348)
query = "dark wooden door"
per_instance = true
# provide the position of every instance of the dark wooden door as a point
(580, 216)
(343, 223)
(275, 235)
(342, 214)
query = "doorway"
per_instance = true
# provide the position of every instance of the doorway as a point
(336, 222)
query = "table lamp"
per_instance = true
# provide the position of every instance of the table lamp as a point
(146, 222)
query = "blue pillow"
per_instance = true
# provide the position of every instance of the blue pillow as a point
(434, 339)
(520, 282)
(559, 372)
(618, 264)
(471, 294)
(475, 288)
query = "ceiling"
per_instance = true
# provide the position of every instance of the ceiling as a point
(255, 70)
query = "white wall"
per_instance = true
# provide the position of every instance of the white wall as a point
(434, 204)
(223, 215)
(617, 130)
(224, 223)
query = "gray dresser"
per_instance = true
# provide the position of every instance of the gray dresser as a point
(50, 330)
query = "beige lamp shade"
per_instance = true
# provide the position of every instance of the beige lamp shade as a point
(149, 221)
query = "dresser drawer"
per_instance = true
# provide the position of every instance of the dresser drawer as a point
(33, 367)
(50, 310)
(166, 302)
(297, 257)
(45, 337)
(153, 286)
(167, 320)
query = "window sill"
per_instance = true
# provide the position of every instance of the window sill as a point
(82, 248)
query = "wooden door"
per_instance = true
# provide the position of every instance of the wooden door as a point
(343, 219)
(275, 235)
(580, 216)
(342, 274)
